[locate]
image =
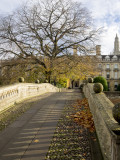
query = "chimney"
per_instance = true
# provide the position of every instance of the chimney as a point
(98, 50)
(75, 50)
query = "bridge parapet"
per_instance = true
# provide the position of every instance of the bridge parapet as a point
(12, 94)
(108, 130)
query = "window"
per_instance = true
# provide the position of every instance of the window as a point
(116, 66)
(107, 66)
(116, 84)
(100, 65)
(108, 75)
(116, 75)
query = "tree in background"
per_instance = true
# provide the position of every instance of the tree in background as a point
(46, 31)
(76, 67)
(20, 68)
(103, 81)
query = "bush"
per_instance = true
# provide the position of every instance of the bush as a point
(62, 83)
(103, 81)
(118, 87)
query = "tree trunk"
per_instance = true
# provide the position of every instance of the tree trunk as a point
(48, 76)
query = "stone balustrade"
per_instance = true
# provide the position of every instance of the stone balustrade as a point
(12, 94)
(108, 130)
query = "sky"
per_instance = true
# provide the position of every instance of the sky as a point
(106, 14)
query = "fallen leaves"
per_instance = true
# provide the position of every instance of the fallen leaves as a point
(36, 140)
(84, 116)
(70, 141)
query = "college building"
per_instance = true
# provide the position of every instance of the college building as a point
(109, 65)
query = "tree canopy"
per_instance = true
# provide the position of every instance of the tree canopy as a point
(45, 31)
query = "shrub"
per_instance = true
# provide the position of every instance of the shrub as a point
(101, 80)
(118, 87)
(62, 83)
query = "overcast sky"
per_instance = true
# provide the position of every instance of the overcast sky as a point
(106, 13)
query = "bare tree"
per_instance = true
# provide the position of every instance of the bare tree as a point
(46, 29)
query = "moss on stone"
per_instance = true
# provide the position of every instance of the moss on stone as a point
(98, 87)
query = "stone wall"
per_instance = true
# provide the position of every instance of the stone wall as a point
(108, 130)
(110, 94)
(9, 95)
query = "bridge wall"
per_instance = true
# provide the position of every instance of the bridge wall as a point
(110, 94)
(12, 94)
(108, 130)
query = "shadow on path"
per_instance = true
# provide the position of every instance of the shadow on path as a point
(29, 137)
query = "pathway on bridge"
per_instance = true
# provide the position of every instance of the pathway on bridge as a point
(29, 137)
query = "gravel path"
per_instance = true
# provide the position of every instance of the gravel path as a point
(71, 141)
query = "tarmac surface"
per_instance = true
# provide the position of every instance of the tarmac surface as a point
(29, 137)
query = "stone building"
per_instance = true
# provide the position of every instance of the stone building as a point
(109, 65)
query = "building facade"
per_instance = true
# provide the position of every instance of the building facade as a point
(109, 65)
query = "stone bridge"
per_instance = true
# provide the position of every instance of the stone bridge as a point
(12, 94)
(108, 130)
(40, 121)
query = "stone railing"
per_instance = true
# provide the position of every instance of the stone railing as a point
(108, 130)
(9, 95)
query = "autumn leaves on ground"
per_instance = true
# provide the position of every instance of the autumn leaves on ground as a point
(71, 140)
(84, 116)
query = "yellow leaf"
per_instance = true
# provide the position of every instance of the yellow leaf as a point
(36, 140)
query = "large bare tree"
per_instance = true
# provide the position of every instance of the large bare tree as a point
(45, 31)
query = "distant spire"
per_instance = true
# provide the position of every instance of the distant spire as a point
(116, 45)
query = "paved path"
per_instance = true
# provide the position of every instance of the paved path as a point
(29, 137)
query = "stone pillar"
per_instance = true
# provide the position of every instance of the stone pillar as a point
(75, 50)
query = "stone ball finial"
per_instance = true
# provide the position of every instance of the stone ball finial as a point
(116, 112)
(37, 81)
(90, 80)
(21, 79)
(98, 87)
